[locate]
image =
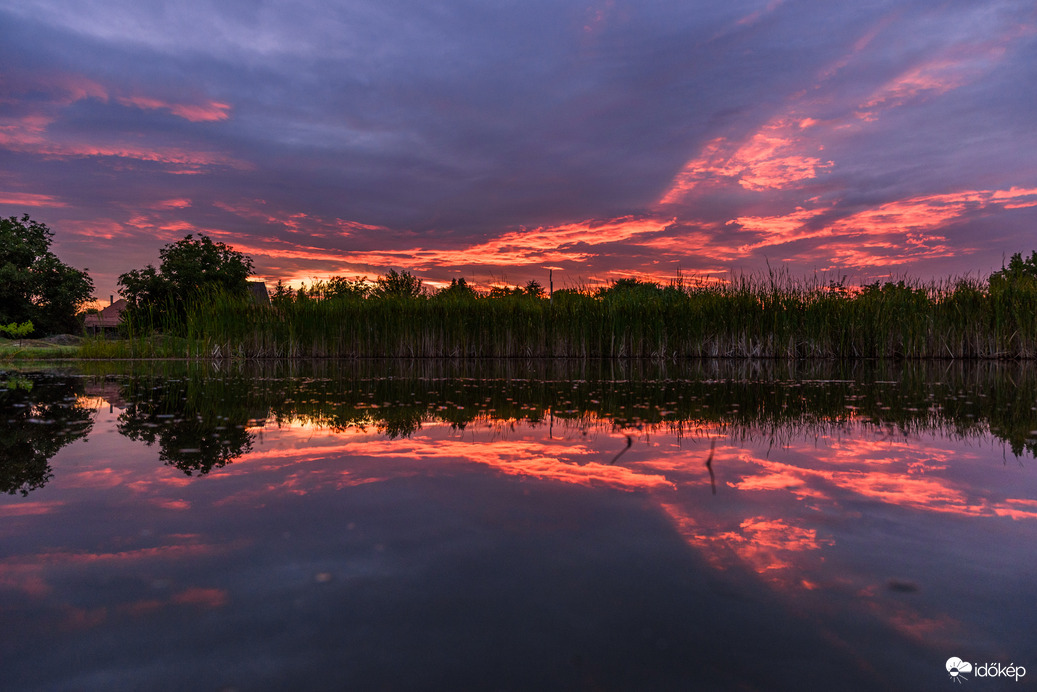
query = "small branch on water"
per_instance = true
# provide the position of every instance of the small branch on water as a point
(630, 442)
(709, 465)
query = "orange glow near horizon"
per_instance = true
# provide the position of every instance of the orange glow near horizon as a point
(514, 248)
(882, 237)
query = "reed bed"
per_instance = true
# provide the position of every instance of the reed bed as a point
(747, 317)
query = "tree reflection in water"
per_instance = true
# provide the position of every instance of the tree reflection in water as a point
(743, 398)
(884, 506)
(38, 416)
(202, 416)
(198, 424)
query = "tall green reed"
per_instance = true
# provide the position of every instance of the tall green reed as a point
(746, 317)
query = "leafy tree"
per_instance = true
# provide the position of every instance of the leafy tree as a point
(630, 287)
(534, 288)
(457, 290)
(188, 268)
(144, 288)
(890, 291)
(1018, 272)
(17, 331)
(505, 291)
(398, 285)
(282, 295)
(34, 284)
(341, 287)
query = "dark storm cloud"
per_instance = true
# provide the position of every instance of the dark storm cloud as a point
(395, 127)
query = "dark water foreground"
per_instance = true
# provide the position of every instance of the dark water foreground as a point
(513, 525)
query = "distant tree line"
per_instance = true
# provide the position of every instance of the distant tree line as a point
(395, 284)
(41, 295)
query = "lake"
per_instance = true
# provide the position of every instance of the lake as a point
(513, 525)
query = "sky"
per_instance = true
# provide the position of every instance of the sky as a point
(500, 141)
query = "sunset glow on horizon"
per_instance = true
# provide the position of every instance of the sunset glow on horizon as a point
(595, 140)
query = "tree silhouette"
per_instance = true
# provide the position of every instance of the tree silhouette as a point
(38, 416)
(188, 268)
(397, 285)
(34, 284)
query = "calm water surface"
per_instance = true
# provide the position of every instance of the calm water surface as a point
(513, 526)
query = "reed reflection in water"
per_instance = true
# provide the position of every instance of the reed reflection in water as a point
(390, 524)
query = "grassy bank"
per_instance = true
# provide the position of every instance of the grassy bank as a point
(747, 318)
(32, 349)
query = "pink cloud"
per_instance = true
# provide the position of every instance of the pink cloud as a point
(916, 213)
(538, 246)
(26, 199)
(873, 469)
(176, 203)
(524, 247)
(30, 132)
(296, 221)
(931, 79)
(549, 243)
(766, 544)
(21, 132)
(211, 111)
(754, 17)
(889, 233)
(517, 457)
(772, 158)
(29, 509)
(780, 229)
(957, 66)
(185, 160)
(61, 88)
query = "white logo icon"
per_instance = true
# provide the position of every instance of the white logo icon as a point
(956, 666)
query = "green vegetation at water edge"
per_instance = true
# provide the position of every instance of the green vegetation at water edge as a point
(761, 317)
(35, 350)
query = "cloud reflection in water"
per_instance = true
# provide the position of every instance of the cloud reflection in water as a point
(883, 521)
